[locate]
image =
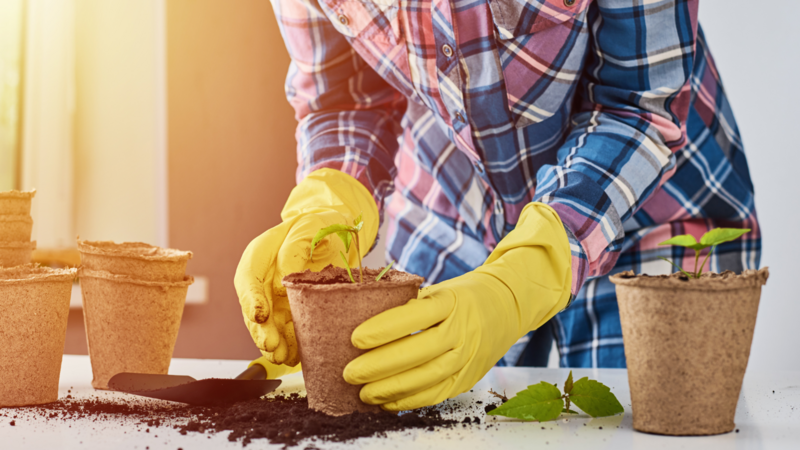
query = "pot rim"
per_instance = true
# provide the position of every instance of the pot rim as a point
(33, 273)
(405, 279)
(17, 245)
(749, 278)
(102, 274)
(133, 250)
(16, 218)
(17, 194)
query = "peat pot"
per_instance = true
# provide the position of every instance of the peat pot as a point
(326, 308)
(33, 326)
(131, 324)
(16, 203)
(135, 259)
(16, 253)
(687, 342)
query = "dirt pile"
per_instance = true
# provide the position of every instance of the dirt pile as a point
(283, 420)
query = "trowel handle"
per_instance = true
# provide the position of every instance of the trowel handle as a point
(254, 372)
(271, 371)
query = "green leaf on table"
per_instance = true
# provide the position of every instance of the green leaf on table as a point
(568, 384)
(719, 235)
(684, 240)
(327, 231)
(540, 402)
(594, 398)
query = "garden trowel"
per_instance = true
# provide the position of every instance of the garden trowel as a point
(248, 385)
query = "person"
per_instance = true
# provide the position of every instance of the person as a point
(521, 151)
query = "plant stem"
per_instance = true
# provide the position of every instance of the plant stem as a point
(699, 272)
(358, 253)
(696, 260)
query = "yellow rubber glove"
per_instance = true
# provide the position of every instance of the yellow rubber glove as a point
(275, 370)
(469, 322)
(325, 197)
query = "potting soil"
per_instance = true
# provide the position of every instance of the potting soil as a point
(280, 419)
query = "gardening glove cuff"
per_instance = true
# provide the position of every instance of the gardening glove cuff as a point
(325, 197)
(468, 322)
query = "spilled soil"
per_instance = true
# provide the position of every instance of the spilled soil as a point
(280, 419)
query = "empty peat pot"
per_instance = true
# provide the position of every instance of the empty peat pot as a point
(16, 253)
(326, 308)
(131, 324)
(135, 259)
(687, 342)
(16, 203)
(16, 228)
(33, 326)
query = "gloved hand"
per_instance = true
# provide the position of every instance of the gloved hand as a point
(325, 197)
(469, 322)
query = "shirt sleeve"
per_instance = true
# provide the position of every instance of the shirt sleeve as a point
(630, 119)
(349, 117)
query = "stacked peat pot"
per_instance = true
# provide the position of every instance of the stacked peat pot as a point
(687, 342)
(15, 228)
(35, 305)
(133, 299)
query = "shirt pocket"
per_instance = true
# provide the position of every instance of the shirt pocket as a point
(374, 20)
(542, 46)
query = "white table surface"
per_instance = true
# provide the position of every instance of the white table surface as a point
(765, 420)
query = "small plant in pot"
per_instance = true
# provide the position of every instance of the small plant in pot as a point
(327, 306)
(687, 341)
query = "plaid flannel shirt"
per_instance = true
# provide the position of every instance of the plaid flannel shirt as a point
(610, 111)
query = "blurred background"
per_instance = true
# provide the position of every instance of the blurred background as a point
(165, 121)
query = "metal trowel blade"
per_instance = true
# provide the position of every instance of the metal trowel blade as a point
(208, 392)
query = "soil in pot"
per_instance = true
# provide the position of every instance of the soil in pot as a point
(131, 324)
(15, 228)
(326, 308)
(687, 342)
(135, 259)
(33, 325)
(16, 203)
(16, 253)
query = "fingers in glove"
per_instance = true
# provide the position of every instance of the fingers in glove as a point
(409, 383)
(293, 357)
(431, 396)
(399, 322)
(399, 356)
(281, 352)
(265, 335)
(255, 305)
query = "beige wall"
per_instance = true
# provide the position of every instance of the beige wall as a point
(231, 157)
(231, 153)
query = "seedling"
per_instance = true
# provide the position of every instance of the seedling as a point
(710, 239)
(347, 233)
(544, 401)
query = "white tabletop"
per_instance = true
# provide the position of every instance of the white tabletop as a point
(765, 420)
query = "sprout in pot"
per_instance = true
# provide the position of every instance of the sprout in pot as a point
(327, 306)
(686, 333)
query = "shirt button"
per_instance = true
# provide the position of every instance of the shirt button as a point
(569, 2)
(345, 21)
(459, 117)
(447, 50)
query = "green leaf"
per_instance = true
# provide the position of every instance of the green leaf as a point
(347, 239)
(568, 411)
(383, 272)
(594, 398)
(540, 402)
(678, 267)
(719, 235)
(358, 219)
(684, 240)
(347, 267)
(568, 384)
(325, 232)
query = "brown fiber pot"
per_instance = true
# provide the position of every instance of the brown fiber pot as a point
(135, 259)
(687, 343)
(325, 316)
(16, 253)
(16, 203)
(131, 324)
(15, 228)
(33, 326)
